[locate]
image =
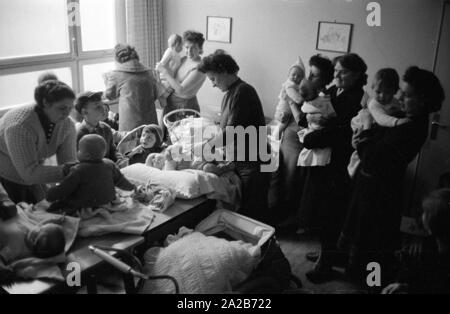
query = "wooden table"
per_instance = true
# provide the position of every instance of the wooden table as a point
(181, 213)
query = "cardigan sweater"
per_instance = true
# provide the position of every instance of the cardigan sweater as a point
(24, 147)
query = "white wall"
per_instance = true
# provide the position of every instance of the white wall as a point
(268, 35)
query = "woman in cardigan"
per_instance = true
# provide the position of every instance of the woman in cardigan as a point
(31, 134)
(187, 80)
(372, 228)
(136, 88)
(326, 191)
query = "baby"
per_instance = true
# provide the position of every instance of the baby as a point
(18, 241)
(150, 142)
(170, 160)
(318, 109)
(290, 91)
(171, 60)
(382, 109)
(92, 182)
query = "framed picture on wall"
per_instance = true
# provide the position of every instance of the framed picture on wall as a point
(334, 37)
(218, 29)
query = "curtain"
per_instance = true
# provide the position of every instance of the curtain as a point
(145, 29)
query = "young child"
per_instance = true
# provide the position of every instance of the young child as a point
(171, 60)
(382, 109)
(290, 91)
(90, 106)
(318, 109)
(431, 272)
(92, 182)
(150, 142)
(171, 159)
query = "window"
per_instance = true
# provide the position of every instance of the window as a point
(73, 39)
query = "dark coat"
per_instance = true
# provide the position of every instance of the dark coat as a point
(325, 190)
(372, 227)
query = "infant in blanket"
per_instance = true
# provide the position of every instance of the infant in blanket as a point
(172, 159)
(18, 241)
(318, 110)
(92, 182)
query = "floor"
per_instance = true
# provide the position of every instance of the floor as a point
(294, 249)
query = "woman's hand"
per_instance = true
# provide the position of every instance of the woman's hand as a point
(360, 136)
(395, 288)
(68, 166)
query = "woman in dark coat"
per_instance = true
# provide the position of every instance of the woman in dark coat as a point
(326, 190)
(372, 228)
(284, 194)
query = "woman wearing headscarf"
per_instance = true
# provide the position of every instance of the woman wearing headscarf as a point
(134, 86)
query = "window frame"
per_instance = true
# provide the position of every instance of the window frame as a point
(74, 59)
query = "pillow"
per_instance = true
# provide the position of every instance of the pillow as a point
(185, 184)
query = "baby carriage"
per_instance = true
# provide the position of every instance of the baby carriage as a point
(271, 275)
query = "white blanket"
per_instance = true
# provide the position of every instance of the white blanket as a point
(32, 267)
(200, 264)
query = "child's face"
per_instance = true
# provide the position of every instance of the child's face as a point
(178, 47)
(383, 94)
(93, 112)
(296, 75)
(148, 139)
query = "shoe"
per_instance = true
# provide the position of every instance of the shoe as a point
(320, 273)
(312, 256)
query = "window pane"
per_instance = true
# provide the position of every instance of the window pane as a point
(93, 75)
(98, 24)
(33, 28)
(18, 89)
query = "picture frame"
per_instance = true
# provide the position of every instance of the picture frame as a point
(218, 29)
(334, 37)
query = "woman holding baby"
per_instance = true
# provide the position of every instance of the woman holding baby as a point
(325, 189)
(187, 80)
(371, 231)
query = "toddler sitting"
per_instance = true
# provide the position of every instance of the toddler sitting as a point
(150, 142)
(290, 91)
(171, 159)
(318, 109)
(383, 109)
(92, 182)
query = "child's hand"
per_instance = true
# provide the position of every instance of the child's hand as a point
(161, 68)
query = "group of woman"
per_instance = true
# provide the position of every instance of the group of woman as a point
(362, 213)
(359, 218)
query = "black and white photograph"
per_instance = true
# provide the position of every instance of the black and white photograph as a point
(228, 153)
